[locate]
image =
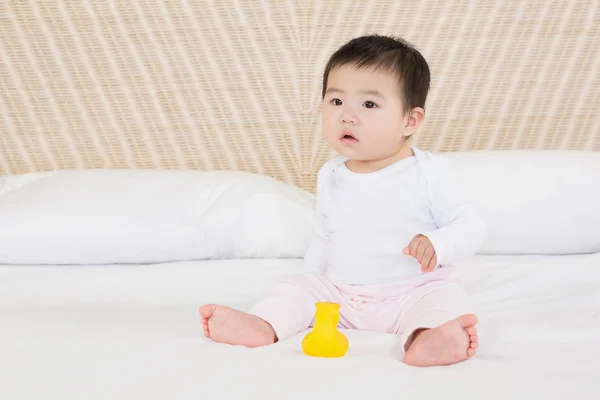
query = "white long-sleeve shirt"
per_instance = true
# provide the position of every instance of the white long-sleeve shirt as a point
(364, 221)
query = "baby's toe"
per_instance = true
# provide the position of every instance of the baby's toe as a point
(471, 352)
(474, 338)
(472, 331)
(474, 345)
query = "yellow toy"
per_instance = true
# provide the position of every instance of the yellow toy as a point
(325, 340)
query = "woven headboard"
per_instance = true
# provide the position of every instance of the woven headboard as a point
(192, 84)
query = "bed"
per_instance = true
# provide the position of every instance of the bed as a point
(133, 332)
(157, 155)
(102, 280)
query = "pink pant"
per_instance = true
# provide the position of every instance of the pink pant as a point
(425, 301)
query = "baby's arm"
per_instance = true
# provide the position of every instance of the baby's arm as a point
(461, 226)
(315, 259)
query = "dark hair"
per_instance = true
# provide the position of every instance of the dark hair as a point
(390, 54)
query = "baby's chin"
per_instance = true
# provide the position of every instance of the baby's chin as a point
(358, 153)
(352, 153)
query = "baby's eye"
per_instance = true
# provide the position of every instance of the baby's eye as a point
(369, 104)
(336, 102)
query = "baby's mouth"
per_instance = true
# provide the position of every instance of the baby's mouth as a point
(348, 137)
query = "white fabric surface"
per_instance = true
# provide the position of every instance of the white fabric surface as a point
(125, 332)
(535, 202)
(144, 216)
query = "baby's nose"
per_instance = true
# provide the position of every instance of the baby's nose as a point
(348, 118)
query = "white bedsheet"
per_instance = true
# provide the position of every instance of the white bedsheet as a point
(133, 332)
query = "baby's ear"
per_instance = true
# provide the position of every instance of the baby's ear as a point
(414, 120)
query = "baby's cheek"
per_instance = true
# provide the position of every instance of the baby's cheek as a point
(383, 140)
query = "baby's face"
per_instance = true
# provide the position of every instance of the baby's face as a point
(363, 114)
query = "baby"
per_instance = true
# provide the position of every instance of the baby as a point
(390, 221)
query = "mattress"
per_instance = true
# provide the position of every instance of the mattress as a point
(133, 332)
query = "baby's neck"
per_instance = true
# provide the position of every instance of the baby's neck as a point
(368, 166)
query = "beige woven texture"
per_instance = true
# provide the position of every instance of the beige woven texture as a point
(225, 84)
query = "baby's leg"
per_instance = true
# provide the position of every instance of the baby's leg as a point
(286, 309)
(289, 305)
(439, 328)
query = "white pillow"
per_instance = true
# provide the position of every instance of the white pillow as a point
(145, 216)
(536, 202)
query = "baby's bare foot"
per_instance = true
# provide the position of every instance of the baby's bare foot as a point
(226, 325)
(447, 344)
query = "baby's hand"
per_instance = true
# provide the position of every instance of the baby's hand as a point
(421, 249)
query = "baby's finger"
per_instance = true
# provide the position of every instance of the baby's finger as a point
(429, 253)
(421, 249)
(432, 262)
(413, 247)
